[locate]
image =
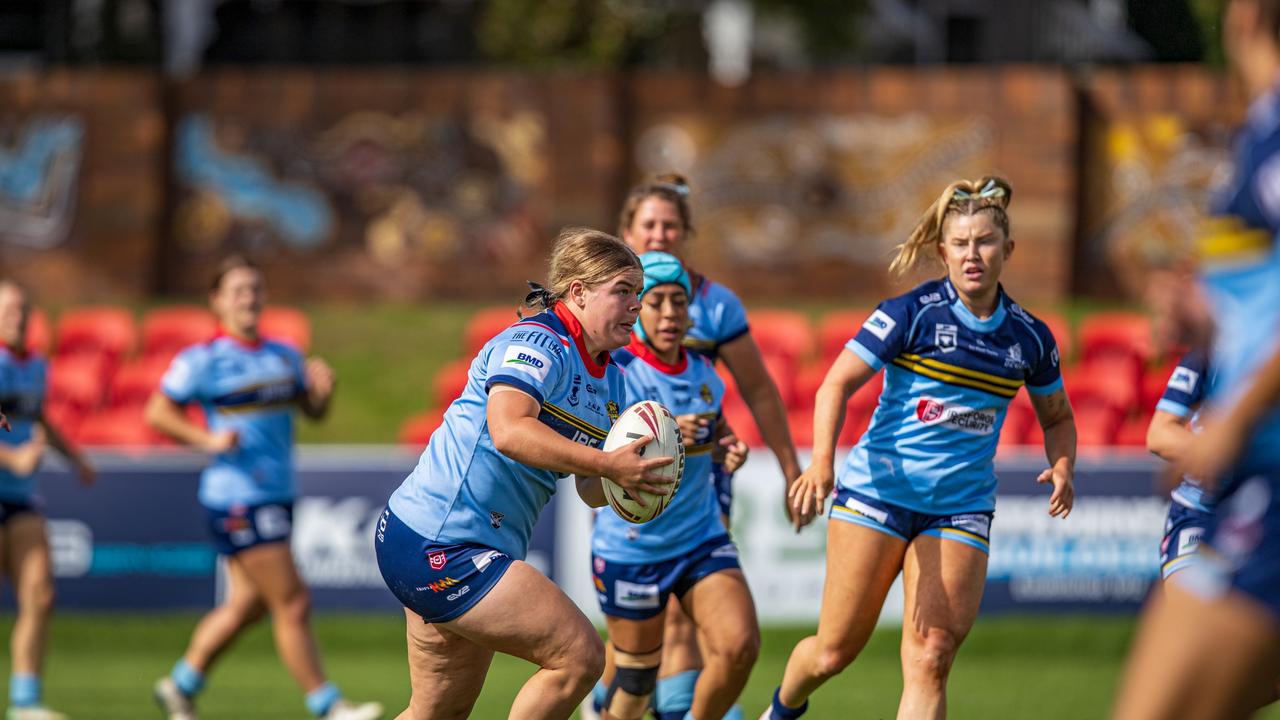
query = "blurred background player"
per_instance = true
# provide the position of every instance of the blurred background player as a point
(1209, 645)
(917, 493)
(537, 406)
(685, 552)
(248, 388)
(656, 217)
(23, 536)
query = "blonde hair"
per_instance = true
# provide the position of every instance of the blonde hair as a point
(589, 256)
(989, 194)
(672, 187)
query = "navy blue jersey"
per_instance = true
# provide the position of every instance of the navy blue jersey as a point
(22, 387)
(1182, 397)
(949, 378)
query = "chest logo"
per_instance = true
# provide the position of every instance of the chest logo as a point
(705, 393)
(944, 336)
(611, 408)
(1014, 358)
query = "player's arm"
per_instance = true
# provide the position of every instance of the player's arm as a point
(318, 384)
(1168, 436)
(1225, 434)
(590, 490)
(742, 357)
(1053, 410)
(166, 415)
(729, 451)
(517, 433)
(72, 453)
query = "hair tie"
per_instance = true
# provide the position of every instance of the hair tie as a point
(678, 188)
(539, 295)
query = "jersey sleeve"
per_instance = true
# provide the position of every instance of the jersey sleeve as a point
(732, 316)
(529, 358)
(1185, 389)
(181, 382)
(883, 335)
(1044, 377)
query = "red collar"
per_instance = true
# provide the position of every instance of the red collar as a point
(247, 344)
(594, 367)
(641, 349)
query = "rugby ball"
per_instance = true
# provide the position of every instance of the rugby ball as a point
(646, 418)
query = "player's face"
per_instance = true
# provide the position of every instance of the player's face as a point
(974, 249)
(239, 299)
(609, 311)
(13, 316)
(656, 226)
(664, 313)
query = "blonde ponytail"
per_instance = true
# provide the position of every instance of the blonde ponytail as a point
(962, 197)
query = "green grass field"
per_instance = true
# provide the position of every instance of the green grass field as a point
(102, 665)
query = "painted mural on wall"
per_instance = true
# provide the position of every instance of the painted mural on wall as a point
(793, 190)
(40, 161)
(400, 188)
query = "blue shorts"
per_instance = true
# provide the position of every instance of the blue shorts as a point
(241, 527)
(1184, 530)
(438, 582)
(10, 509)
(723, 482)
(1241, 545)
(972, 529)
(638, 592)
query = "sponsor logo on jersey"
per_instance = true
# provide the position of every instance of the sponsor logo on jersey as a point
(865, 510)
(573, 391)
(970, 420)
(1184, 380)
(611, 408)
(527, 361)
(1189, 540)
(442, 584)
(1013, 358)
(976, 523)
(461, 591)
(636, 596)
(495, 519)
(880, 324)
(437, 560)
(600, 588)
(704, 392)
(482, 560)
(932, 297)
(944, 336)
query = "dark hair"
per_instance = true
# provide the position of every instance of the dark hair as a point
(229, 263)
(672, 187)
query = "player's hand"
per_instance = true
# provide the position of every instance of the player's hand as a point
(691, 425)
(27, 457)
(319, 379)
(223, 441)
(1063, 497)
(1212, 451)
(1180, 313)
(735, 453)
(629, 469)
(808, 494)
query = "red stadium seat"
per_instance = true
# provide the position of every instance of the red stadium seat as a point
(1107, 381)
(77, 383)
(1154, 382)
(743, 425)
(134, 382)
(106, 331)
(1096, 424)
(782, 370)
(168, 330)
(449, 382)
(1133, 432)
(122, 426)
(857, 418)
(808, 379)
(783, 333)
(287, 325)
(483, 325)
(1018, 421)
(835, 329)
(801, 424)
(417, 429)
(1116, 333)
(38, 332)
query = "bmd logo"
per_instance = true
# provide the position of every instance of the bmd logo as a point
(527, 359)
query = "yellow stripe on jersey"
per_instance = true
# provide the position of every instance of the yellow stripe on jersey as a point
(966, 372)
(575, 421)
(252, 407)
(1226, 237)
(954, 379)
(698, 343)
(702, 449)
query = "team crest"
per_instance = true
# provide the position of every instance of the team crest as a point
(437, 560)
(495, 519)
(704, 392)
(944, 336)
(611, 408)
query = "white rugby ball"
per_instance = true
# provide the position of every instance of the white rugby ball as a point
(646, 418)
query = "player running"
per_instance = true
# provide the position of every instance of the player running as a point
(24, 545)
(685, 552)
(917, 493)
(538, 403)
(248, 388)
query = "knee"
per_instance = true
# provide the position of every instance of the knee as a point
(588, 657)
(831, 661)
(38, 598)
(739, 652)
(930, 657)
(296, 607)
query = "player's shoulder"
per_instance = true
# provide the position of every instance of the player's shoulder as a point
(623, 358)
(1025, 321)
(283, 348)
(543, 331)
(928, 294)
(715, 293)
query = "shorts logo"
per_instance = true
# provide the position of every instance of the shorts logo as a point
(437, 560)
(976, 523)
(444, 584)
(461, 591)
(726, 550)
(944, 336)
(600, 588)
(382, 525)
(866, 510)
(880, 324)
(1184, 380)
(597, 563)
(527, 361)
(966, 419)
(495, 519)
(634, 595)
(482, 560)
(1189, 540)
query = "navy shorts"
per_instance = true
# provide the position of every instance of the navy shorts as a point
(638, 592)
(241, 527)
(438, 582)
(1241, 545)
(10, 509)
(1184, 530)
(971, 528)
(723, 482)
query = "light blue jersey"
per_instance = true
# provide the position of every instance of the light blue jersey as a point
(718, 318)
(1182, 397)
(22, 386)
(252, 389)
(949, 378)
(693, 516)
(463, 490)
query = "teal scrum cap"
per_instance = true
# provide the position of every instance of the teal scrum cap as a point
(661, 268)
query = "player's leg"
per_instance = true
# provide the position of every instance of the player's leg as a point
(942, 580)
(681, 664)
(446, 671)
(527, 616)
(26, 548)
(637, 652)
(861, 566)
(720, 605)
